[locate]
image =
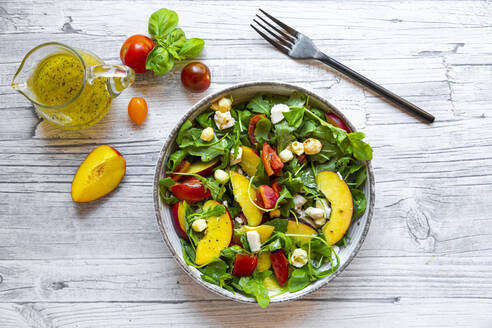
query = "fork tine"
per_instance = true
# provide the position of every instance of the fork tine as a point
(285, 43)
(283, 25)
(273, 43)
(288, 37)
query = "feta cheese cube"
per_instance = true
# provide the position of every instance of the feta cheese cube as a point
(315, 213)
(253, 241)
(276, 113)
(199, 225)
(221, 176)
(323, 204)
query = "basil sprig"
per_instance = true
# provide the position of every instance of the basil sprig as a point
(171, 43)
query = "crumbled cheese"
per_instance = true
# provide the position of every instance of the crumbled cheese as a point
(297, 148)
(276, 113)
(286, 155)
(224, 120)
(224, 104)
(299, 201)
(238, 220)
(299, 258)
(319, 222)
(239, 156)
(315, 213)
(253, 241)
(323, 204)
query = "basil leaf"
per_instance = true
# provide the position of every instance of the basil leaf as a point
(259, 105)
(159, 61)
(161, 22)
(176, 38)
(359, 202)
(191, 48)
(262, 130)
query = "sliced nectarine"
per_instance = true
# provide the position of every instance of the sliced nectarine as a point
(264, 262)
(217, 236)
(98, 175)
(179, 210)
(190, 189)
(240, 190)
(205, 169)
(300, 228)
(338, 194)
(249, 160)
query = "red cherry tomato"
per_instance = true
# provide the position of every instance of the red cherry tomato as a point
(252, 127)
(195, 77)
(280, 266)
(244, 265)
(134, 52)
(271, 161)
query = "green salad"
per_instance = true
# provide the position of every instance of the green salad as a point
(263, 192)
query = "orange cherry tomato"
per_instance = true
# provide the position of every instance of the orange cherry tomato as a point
(137, 110)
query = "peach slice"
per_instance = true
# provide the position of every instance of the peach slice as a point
(240, 190)
(178, 211)
(300, 228)
(99, 174)
(249, 161)
(217, 236)
(205, 169)
(338, 194)
(264, 262)
(265, 231)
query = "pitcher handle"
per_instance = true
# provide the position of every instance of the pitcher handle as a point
(119, 77)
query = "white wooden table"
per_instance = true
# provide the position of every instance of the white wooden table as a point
(427, 261)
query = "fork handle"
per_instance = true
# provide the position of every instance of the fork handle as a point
(402, 103)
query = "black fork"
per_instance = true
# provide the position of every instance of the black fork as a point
(297, 45)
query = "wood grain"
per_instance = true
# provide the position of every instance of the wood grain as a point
(428, 256)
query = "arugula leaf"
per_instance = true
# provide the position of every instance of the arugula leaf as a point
(279, 224)
(307, 128)
(359, 202)
(261, 177)
(283, 135)
(175, 159)
(294, 116)
(210, 152)
(297, 99)
(205, 119)
(167, 198)
(189, 253)
(298, 280)
(166, 182)
(254, 285)
(191, 48)
(262, 130)
(215, 270)
(259, 105)
(182, 130)
(162, 22)
(361, 150)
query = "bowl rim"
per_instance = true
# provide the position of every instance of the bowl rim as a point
(168, 142)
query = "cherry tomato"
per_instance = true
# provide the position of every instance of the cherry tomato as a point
(280, 266)
(244, 265)
(134, 52)
(252, 127)
(271, 161)
(195, 77)
(137, 110)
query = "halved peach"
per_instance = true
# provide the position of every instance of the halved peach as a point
(190, 189)
(182, 167)
(265, 231)
(264, 262)
(249, 161)
(178, 212)
(205, 169)
(99, 174)
(337, 121)
(300, 228)
(217, 236)
(338, 194)
(240, 189)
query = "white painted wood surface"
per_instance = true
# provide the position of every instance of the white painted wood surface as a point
(427, 261)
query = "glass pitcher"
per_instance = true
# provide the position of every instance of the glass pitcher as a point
(70, 88)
